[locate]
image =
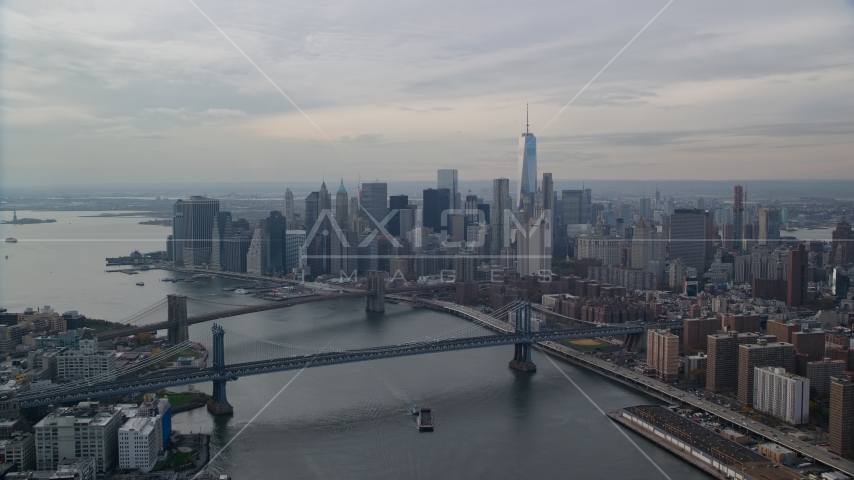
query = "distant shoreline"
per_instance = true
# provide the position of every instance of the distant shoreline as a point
(27, 221)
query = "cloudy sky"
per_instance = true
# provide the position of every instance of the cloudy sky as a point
(104, 91)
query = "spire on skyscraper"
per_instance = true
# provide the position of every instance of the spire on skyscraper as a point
(527, 123)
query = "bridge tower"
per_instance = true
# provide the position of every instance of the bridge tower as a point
(218, 404)
(522, 351)
(375, 301)
(179, 328)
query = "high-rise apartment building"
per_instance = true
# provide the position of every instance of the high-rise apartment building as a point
(781, 394)
(696, 333)
(796, 293)
(741, 323)
(820, 373)
(781, 329)
(447, 178)
(761, 354)
(663, 354)
(374, 200)
(688, 238)
(841, 427)
(435, 204)
(548, 194)
(722, 364)
(199, 214)
(809, 342)
(500, 204)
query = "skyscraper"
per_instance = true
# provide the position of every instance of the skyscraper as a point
(342, 207)
(645, 207)
(688, 238)
(397, 202)
(275, 234)
(769, 226)
(527, 168)
(573, 207)
(256, 257)
(548, 192)
(738, 216)
(312, 210)
(500, 203)
(374, 199)
(796, 295)
(290, 215)
(222, 230)
(435, 202)
(447, 178)
(178, 232)
(199, 213)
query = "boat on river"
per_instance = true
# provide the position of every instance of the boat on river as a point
(11, 240)
(140, 284)
(425, 419)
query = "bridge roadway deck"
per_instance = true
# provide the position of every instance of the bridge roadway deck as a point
(234, 371)
(243, 310)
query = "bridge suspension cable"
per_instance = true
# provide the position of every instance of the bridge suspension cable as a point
(151, 309)
(109, 377)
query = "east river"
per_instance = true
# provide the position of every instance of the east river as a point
(347, 421)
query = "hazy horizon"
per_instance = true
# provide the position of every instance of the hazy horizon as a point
(105, 93)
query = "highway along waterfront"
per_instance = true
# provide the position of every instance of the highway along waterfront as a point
(353, 421)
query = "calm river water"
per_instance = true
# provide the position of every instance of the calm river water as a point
(347, 421)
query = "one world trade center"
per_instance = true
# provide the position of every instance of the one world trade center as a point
(527, 168)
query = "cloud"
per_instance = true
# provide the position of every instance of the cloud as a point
(363, 139)
(700, 80)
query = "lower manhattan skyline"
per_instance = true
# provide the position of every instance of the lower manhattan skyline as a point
(261, 240)
(159, 87)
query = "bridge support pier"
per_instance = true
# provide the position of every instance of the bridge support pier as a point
(375, 302)
(522, 351)
(179, 330)
(218, 404)
(522, 358)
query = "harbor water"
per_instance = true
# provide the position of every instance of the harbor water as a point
(347, 421)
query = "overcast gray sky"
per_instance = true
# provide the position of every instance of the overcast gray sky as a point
(102, 91)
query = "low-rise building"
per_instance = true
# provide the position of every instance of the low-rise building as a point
(75, 469)
(777, 453)
(140, 438)
(75, 364)
(21, 450)
(88, 430)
